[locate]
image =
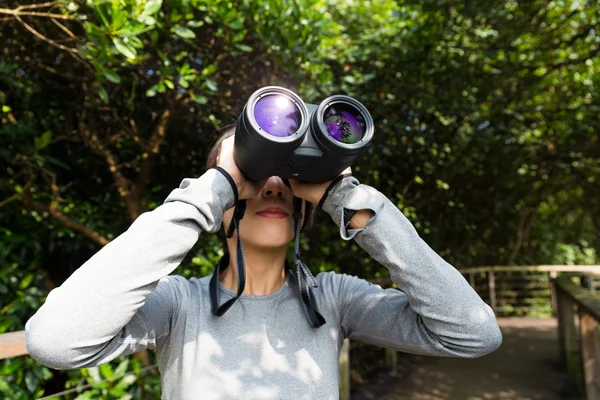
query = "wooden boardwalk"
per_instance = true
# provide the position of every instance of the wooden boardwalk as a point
(525, 367)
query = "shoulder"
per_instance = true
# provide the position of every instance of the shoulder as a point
(342, 287)
(175, 288)
(334, 280)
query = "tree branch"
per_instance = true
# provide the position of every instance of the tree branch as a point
(31, 204)
(16, 13)
(44, 38)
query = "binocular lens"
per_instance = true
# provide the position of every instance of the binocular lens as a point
(277, 115)
(344, 123)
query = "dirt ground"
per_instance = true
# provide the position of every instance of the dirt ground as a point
(525, 367)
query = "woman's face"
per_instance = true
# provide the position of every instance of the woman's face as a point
(268, 219)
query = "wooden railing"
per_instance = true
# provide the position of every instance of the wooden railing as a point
(578, 312)
(521, 290)
(12, 344)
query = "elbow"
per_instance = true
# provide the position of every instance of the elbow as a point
(488, 335)
(44, 348)
(490, 341)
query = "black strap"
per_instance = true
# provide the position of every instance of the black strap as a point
(303, 276)
(231, 182)
(217, 309)
(331, 185)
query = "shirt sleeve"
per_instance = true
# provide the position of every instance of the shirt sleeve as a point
(435, 312)
(118, 303)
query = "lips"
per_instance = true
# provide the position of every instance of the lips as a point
(273, 212)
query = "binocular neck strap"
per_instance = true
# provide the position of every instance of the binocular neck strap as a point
(218, 310)
(303, 275)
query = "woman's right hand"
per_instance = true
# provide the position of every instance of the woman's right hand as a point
(246, 188)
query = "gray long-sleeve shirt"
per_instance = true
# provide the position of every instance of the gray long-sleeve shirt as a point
(123, 300)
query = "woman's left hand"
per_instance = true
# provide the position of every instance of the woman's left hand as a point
(312, 192)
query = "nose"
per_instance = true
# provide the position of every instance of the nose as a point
(274, 188)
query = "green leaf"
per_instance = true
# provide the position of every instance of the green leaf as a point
(126, 49)
(6, 109)
(244, 47)
(43, 141)
(111, 75)
(135, 42)
(95, 374)
(212, 85)
(92, 30)
(199, 99)
(209, 70)
(106, 370)
(169, 84)
(236, 25)
(25, 282)
(152, 91)
(103, 94)
(146, 19)
(183, 32)
(152, 7)
(120, 370)
(181, 56)
(119, 19)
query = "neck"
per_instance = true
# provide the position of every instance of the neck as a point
(265, 272)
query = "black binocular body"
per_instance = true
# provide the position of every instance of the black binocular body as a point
(277, 134)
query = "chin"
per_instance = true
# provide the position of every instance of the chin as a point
(268, 234)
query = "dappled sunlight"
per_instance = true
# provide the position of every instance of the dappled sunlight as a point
(523, 368)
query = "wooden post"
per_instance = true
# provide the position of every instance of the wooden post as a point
(492, 289)
(587, 281)
(568, 341)
(590, 348)
(552, 278)
(391, 360)
(345, 371)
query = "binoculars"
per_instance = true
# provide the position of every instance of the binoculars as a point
(278, 134)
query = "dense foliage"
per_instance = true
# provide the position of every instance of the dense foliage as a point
(486, 112)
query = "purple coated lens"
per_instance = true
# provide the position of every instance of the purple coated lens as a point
(277, 115)
(344, 123)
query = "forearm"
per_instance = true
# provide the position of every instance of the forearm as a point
(102, 296)
(359, 220)
(449, 308)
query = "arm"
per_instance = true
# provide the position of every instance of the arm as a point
(95, 316)
(435, 311)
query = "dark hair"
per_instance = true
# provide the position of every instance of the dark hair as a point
(211, 162)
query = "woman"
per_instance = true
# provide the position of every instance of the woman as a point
(123, 300)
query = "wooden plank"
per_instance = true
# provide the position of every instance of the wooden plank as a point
(590, 346)
(593, 269)
(583, 298)
(12, 344)
(345, 371)
(523, 294)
